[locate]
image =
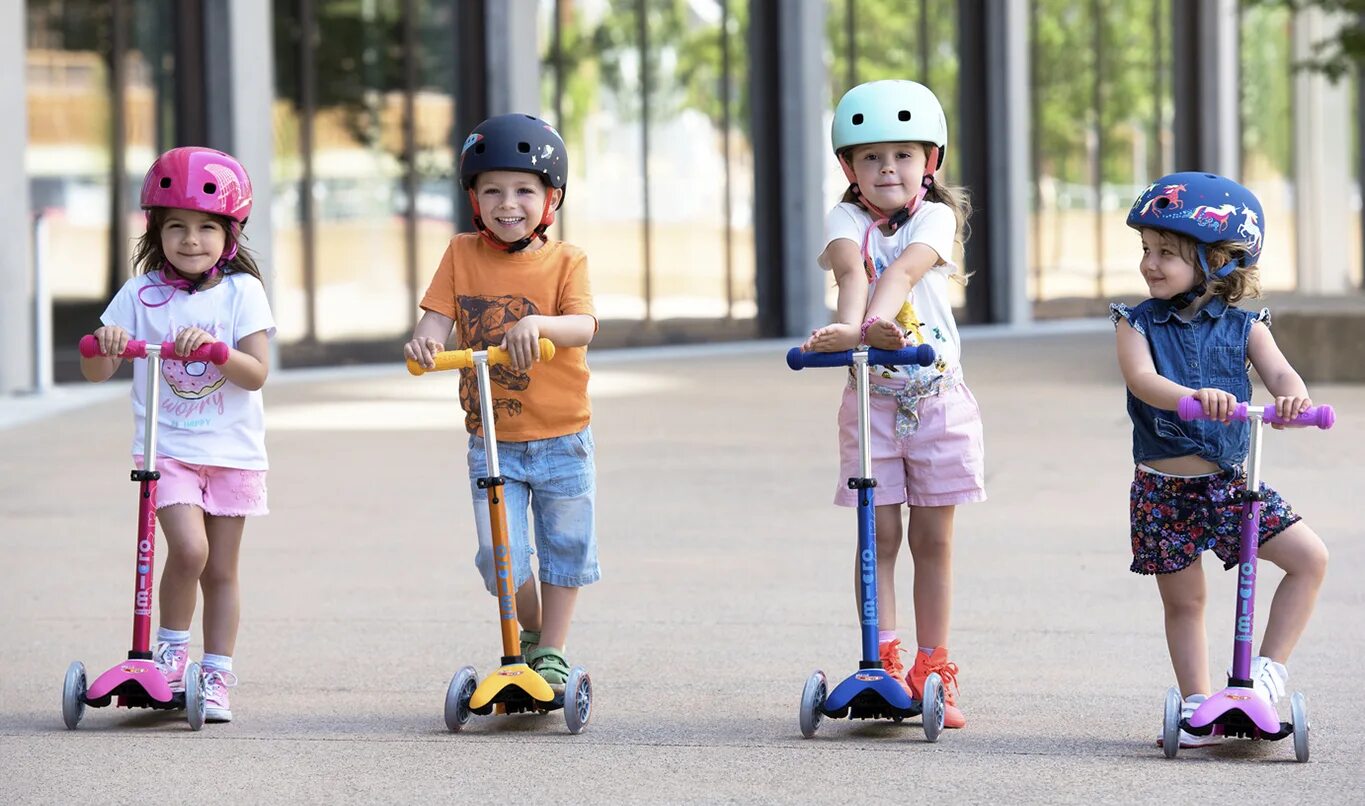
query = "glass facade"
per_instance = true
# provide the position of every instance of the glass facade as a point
(1267, 115)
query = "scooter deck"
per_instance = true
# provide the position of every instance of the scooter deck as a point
(1237, 711)
(136, 684)
(512, 689)
(870, 694)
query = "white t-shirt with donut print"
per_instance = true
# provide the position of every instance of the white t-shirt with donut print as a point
(204, 419)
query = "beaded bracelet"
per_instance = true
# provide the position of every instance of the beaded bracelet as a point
(862, 333)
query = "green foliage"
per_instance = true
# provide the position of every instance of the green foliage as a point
(1337, 55)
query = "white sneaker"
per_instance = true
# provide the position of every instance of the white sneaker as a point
(1187, 709)
(1268, 677)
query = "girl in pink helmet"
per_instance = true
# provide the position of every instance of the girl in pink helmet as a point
(890, 244)
(196, 283)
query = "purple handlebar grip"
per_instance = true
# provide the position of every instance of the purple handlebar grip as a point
(1323, 417)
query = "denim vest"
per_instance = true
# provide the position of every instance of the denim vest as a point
(1208, 351)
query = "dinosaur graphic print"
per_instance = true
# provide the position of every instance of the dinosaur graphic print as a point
(483, 322)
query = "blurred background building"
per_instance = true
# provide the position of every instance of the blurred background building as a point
(698, 134)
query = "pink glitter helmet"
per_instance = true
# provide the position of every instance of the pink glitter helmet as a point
(197, 178)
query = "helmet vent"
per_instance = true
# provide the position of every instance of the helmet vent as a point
(209, 187)
(904, 115)
(478, 148)
(165, 181)
(524, 147)
(858, 119)
(1162, 202)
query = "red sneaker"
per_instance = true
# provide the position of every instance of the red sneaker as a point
(947, 672)
(891, 661)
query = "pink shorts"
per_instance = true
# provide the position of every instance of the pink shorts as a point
(229, 492)
(939, 464)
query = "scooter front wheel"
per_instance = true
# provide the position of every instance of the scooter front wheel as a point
(577, 700)
(73, 695)
(1170, 723)
(812, 700)
(1298, 711)
(461, 688)
(195, 704)
(932, 707)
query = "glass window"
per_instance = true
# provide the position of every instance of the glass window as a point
(1267, 111)
(434, 136)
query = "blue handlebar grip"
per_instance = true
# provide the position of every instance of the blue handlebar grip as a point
(921, 354)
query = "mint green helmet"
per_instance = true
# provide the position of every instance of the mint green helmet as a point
(890, 111)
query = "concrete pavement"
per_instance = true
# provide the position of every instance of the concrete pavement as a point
(726, 581)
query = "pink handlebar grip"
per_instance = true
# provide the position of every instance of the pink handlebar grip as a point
(1323, 417)
(216, 352)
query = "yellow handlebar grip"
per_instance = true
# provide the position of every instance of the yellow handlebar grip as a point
(463, 359)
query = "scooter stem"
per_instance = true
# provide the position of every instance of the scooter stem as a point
(497, 518)
(867, 530)
(145, 564)
(1245, 614)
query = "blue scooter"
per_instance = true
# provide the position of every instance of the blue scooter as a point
(869, 693)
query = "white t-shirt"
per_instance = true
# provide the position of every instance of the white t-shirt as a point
(204, 419)
(928, 315)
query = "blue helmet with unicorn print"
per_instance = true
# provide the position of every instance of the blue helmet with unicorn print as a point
(1207, 208)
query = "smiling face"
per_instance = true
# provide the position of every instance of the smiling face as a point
(192, 241)
(1165, 266)
(888, 174)
(511, 203)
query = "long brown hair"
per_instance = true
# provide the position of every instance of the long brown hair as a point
(1244, 282)
(956, 197)
(148, 255)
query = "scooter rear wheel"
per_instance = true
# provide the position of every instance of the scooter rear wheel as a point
(461, 688)
(577, 700)
(1170, 724)
(1298, 711)
(73, 695)
(932, 707)
(812, 700)
(195, 705)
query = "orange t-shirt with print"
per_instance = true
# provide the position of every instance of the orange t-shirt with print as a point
(486, 291)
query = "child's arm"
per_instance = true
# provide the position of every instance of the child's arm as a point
(428, 338)
(246, 366)
(843, 258)
(892, 288)
(1149, 386)
(522, 341)
(1279, 377)
(113, 340)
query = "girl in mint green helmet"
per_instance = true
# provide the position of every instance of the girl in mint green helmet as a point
(890, 244)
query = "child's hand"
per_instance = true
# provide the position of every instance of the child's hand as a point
(1289, 407)
(834, 338)
(190, 339)
(885, 335)
(423, 350)
(113, 340)
(1218, 405)
(522, 343)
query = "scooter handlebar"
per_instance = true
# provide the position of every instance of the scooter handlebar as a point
(215, 352)
(464, 359)
(921, 354)
(1322, 417)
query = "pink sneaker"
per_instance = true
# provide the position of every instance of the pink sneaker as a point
(216, 684)
(171, 659)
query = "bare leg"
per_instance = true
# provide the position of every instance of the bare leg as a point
(1302, 555)
(930, 536)
(1182, 596)
(222, 592)
(528, 606)
(187, 551)
(559, 604)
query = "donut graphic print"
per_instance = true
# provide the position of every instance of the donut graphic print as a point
(192, 380)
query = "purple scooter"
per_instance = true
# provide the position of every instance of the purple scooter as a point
(1239, 710)
(137, 682)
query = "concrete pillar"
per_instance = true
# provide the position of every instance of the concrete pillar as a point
(514, 77)
(1322, 150)
(1207, 128)
(16, 222)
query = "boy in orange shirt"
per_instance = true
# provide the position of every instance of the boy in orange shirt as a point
(509, 285)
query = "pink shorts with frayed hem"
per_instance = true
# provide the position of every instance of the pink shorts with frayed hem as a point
(228, 492)
(940, 464)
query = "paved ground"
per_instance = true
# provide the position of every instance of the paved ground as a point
(726, 583)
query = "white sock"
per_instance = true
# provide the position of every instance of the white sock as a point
(222, 662)
(172, 636)
(886, 636)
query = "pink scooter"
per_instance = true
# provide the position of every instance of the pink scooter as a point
(137, 682)
(1239, 710)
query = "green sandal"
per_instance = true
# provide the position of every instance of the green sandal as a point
(550, 664)
(529, 640)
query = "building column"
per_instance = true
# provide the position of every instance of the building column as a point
(16, 221)
(1207, 129)
(994, 109)
(514, 83)
(789, 108)
(1322, 147)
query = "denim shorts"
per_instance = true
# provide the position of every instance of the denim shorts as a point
(556, 480)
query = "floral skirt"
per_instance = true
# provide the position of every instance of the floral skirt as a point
(1174, 519)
